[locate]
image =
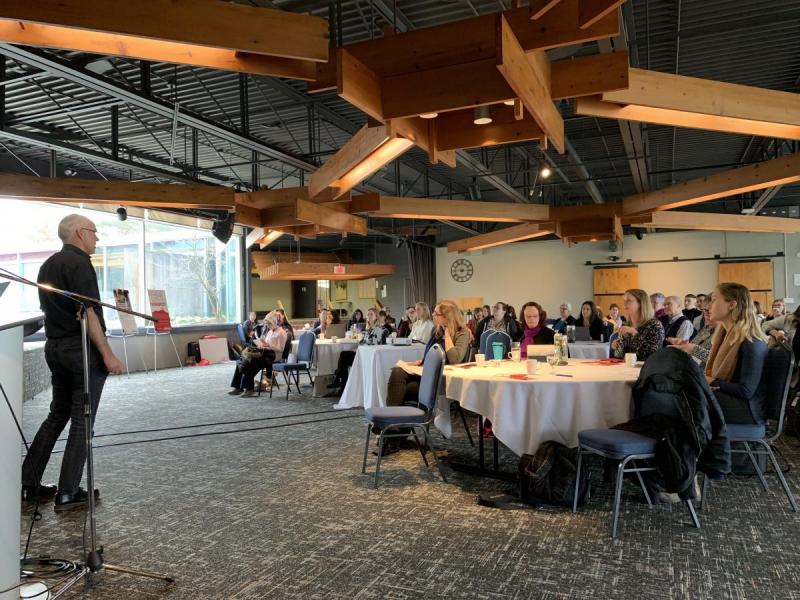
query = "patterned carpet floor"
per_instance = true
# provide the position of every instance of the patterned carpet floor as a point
(275, 506)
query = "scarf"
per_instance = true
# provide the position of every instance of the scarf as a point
(723, 357)
(527, 338)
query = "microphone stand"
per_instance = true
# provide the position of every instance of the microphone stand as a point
(93, 561)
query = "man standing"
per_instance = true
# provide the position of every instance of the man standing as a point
(69, 269)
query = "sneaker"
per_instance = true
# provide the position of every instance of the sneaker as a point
(235, 392)
(29, 492)
(249, 394)
(70, 500)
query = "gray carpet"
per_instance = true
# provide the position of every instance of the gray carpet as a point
(284, 512)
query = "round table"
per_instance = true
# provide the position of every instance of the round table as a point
(588, 349)
(555, 404)
(326, 353)
(369, 377)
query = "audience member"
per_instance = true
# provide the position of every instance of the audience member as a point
(383, 322)
(760, 316)
(404, 327)
(424, 325)
(589, 318)
(737, 354)
(700, 346)
(388, 319)
(778, 310)
(512, 313)
(782, 329)
(678, 325)
(645, 334)
(357, 320)
(499, 320)
(261, 356)
(323, 316)
(560, 324)
(327, 319)
(690, 308)
(250, 327)
(659, 312)
(374, 334)
(615, 317)
(534, 327)
(474, 317)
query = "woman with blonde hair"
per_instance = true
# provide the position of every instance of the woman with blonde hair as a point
(738, 350)
(645, 334)
(423, 327)
(260, 356)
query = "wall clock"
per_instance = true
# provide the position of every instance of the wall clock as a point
(461, 270)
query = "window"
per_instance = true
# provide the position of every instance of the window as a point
(199, 274)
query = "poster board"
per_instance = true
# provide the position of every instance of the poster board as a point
(122, 300)
(158, 307)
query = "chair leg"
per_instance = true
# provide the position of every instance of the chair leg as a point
(272, 385)
(419, 447)
(577, 480)
(380, 455)
(643, 486)
(310, 378)
(787, 490)
(429, 444)
(366, 450)
(703, 492)
(466, 427)
(617, 497)
(761, 477)
(692, 514)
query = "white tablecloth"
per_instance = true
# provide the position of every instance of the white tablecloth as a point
(369, 376)
(588, 349)
(525, 413)
(326, 354)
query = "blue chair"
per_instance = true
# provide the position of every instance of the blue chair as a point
(400, 419)
(497, 336)
(775, 384)
(482, 341)
(242, 336)
(291, 370)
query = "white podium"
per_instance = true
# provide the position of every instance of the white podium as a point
(11, 364)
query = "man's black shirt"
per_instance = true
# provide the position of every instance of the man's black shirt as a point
(69, 269)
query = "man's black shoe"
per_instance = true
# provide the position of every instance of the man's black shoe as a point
(70, 500)
(29, 492)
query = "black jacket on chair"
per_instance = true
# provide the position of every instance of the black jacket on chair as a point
(674, 404)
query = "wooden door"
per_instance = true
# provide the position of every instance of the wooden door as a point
(610, 284)
(755, 274)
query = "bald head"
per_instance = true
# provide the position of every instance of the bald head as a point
(672, 305)
(78, 231)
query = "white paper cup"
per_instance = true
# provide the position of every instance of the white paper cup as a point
(532, 365)
(630, 359)
(480, 359)
(334, 339)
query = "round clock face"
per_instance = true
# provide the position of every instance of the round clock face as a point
(461, 270)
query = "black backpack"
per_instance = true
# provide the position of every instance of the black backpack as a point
(548, 477)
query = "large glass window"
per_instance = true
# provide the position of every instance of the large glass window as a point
(199, 274)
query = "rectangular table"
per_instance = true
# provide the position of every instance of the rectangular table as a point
(369, 376)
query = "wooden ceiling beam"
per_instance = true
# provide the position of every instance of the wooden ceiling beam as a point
(422, 132)
(455, 130)
(778, 171)
(303, 212)
(529, 76)
(538, 8)
(718, 222)
(558, 27)
(122, 193)
(267, 198)
(196, 23)
(515, 233)
(358, 84)
(592, 11)
(316, 271)
(452, 210)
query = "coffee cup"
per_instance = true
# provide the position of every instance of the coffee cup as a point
(480, 359)
(630, 359)
(532, 366)
(334, 339)
(514, 354)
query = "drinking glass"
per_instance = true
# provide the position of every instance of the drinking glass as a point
(552, 360)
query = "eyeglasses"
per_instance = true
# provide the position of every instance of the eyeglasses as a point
(94, 231)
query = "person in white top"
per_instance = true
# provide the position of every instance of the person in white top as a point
(422, 329)
(266, 349)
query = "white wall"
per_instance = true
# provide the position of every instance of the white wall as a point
(550, 272)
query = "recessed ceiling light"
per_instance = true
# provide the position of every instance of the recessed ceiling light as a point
(509, 102)
(430, 115)
(545, 172)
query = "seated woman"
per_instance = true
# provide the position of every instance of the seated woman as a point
(700, 345)
(386, 322)
(267, 347)
(423, 327)
(782, 329)
(589, 318)
(534, 328)
(738, 350)
(778, 310)
(614, 317)
(645, 334)
(451, 334)
(357, 320)
(374, 334)
(329, 319)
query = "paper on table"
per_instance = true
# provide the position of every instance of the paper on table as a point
(409, 368)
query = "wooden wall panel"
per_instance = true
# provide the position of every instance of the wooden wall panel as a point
(366, 289)
(610, 283)
(756, 275)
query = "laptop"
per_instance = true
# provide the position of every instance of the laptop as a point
(335, 330)
(582, 334)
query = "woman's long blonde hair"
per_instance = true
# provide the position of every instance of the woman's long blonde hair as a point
(423, 312)
(645, 308)
(745, 324)
(453, 316)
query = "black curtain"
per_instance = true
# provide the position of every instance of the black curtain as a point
(422, 263)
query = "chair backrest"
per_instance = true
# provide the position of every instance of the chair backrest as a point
(482, 341)
(287, 349)
(242, 337)
(305, 346)
(432, 369)
(498, 336)
(776, 379)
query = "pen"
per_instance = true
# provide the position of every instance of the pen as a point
(563, 375)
